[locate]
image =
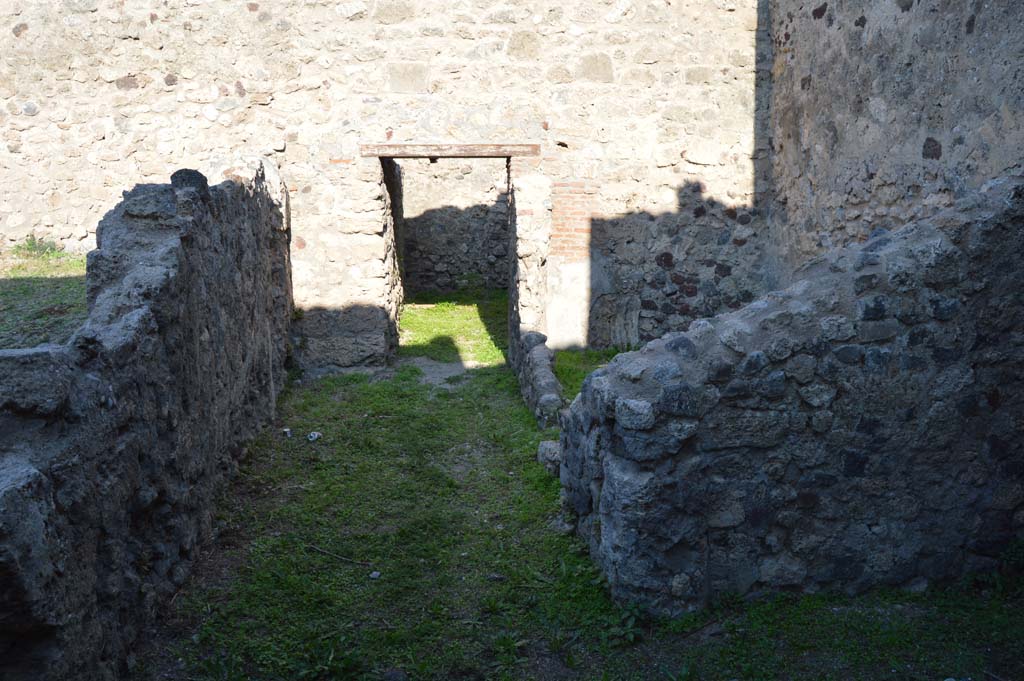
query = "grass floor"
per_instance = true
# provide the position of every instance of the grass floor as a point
(413, 541)
(572, 366)
(469, 326)
(42, 295)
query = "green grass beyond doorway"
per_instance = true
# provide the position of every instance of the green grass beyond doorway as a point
(470, 325)
(573, 366)
(412, 541)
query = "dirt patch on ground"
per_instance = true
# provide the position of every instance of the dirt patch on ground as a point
(441, 374)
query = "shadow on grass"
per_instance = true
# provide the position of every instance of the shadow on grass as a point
(40, 309)
(467, 325)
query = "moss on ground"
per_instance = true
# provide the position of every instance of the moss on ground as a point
(414, 536)
(42, 295)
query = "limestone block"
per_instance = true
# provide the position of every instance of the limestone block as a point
(409, 77)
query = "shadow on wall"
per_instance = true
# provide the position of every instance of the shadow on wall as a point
(356, 335)
(655, 273)
(450, 248)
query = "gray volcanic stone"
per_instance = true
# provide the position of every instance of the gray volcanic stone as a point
(114, 446)
(634, 414)
(684, 493)
(192, 179)
(549, 454)
(158, 204)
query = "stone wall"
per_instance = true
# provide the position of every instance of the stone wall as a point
(529, 231)
(455, 228)
(654, 273)
(860, 428)
(636, 98)
(349, 289)
(113, 446)
(886, 112)
(534, 364)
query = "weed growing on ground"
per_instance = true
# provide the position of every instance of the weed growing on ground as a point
(36, 248)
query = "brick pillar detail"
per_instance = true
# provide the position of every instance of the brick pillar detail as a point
(572, 203)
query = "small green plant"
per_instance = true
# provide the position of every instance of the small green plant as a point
(685, 673)
(33, 247)
(508, 648)
(626, 631)
(221, 667)
(333, 661)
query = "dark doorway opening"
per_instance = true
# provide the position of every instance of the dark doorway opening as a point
(455, 244)
(454, 231)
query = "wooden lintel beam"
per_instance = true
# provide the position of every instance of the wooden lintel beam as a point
(448, 150)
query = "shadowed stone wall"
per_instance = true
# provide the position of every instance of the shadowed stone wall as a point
(886, 112)
(860, 428)
(114, 445)
(349, 295)
(455, 228)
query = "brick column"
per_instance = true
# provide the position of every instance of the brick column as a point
(568, 305)
(571, 209)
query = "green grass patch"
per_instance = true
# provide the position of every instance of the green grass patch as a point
(469, 325)
(572, 366)
(436, 490)
(414, 535)
(42, 294)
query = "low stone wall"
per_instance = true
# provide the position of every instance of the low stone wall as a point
(529, 229)
(859, 428)
(113, 446)
(534, 365)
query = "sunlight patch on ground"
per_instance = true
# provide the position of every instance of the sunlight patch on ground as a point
(469, 326)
